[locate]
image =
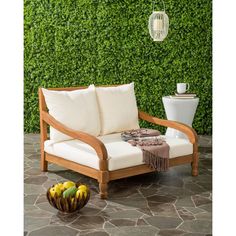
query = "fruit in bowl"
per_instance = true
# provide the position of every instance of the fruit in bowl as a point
(82, 191)
(70, 192)
(68, 196)
(55, 190)
(68, 184)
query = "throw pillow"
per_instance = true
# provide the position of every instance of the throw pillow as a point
(76, 109)
(118, 108)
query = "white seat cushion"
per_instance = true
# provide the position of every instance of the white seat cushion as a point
(120, 154)
(118, 108)
(77, 109)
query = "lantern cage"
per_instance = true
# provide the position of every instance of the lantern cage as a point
(158, 24)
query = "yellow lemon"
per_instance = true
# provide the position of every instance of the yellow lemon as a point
(81, 193)
(55, 190)
(68, 184)
(83, 187)
(60, 185)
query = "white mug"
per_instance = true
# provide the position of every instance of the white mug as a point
(182, 87)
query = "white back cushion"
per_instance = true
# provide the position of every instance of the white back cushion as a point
(118, 108)
(76, 109)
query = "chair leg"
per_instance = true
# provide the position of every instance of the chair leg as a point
(103, 190)
(44, 163)
(194, 164)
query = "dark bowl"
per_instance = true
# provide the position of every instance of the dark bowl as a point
(67, 205)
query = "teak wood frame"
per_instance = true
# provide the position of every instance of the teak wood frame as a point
(103, 175)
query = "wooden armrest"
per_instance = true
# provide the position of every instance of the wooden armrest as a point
(189, 131)
(82, 136)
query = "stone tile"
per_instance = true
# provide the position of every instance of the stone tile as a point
(206, 178)
(26, 167)
(205, 185)
(117, 192)
(32, 223)
(34, 171)
(130, 214)
(199, 200)
(30, 199)
(194, 234)
(35, 164)
(66, 174)
(185, 215)
(48, 184)
(33, 189)
(205, 163)
(38, 213)
(194, 188)
(180, 192)
(171, 232)
(123, 222)
(63, 219)
(204, 216)
(148, 191)
(146, 211)
(47, 207)
(34, 156)
(38, 180)
(136, 195)
(28, 208)
(133, 231)
(28, 148)
(205, 149)
(131, 202)
(88, 222)
(54, 230)
(141, 222)
(162, 198)
(197, 226)
(163, 222)
(185, 202)
(98, 202)
(206, 194)
(207, 207)
(194, 210)
(53, 176)
(107, 224)
(41, 199)
(207, 155)
(175, 182)
(96, 233)
(110, 209)
(163, 209)
(89, 210)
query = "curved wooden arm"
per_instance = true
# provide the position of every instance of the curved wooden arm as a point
(189, 131)
(82, 136)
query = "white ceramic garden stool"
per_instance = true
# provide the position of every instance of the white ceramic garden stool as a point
(182, 110)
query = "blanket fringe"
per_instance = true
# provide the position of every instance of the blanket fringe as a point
(155, 162)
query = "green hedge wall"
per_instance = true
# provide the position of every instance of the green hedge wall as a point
(79, 42)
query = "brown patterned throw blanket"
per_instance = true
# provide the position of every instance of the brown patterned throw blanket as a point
(155, 149)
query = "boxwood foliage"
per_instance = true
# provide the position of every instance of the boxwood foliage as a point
(79, 42)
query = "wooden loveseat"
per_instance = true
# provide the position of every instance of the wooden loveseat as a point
(101, 148)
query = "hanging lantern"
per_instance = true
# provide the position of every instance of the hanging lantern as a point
(158, 24)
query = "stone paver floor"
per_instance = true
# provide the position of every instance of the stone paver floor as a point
(169, 203)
